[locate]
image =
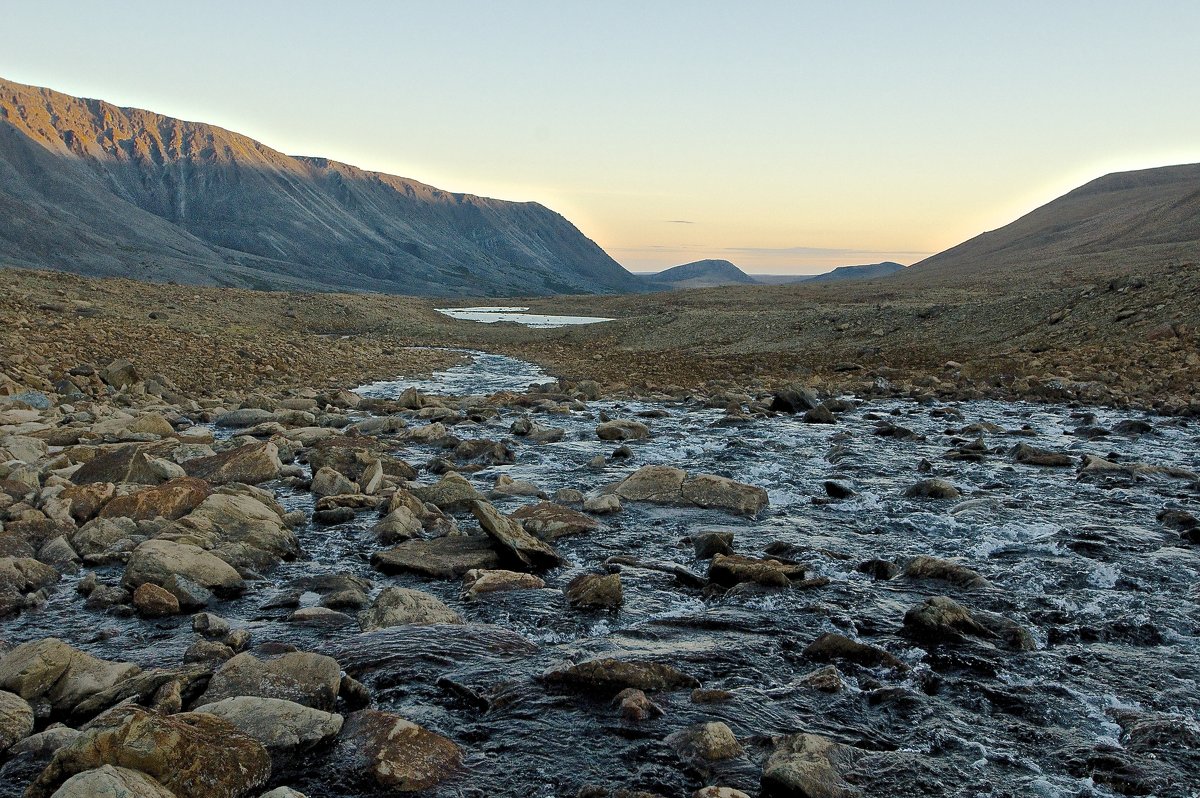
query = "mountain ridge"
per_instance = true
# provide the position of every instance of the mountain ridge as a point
(95, 188)
(706, 273)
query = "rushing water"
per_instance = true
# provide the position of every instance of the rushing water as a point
(491, 315)
(1109, 594)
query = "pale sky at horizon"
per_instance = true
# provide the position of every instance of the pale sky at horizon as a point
(783, 136)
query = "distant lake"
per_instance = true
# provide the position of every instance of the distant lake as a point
(519, 315)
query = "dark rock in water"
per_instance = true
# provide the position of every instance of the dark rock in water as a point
(810, 766)
(943, 620)
(932, 489)
(397, 606)
(819, 415)
(925, 567)
(304, 678)
(548, 520)
(610, 676)
(795, 398)
(453, 493)
(705, 742)
(334, 515)
(733, 569)
(634, 706)
(1177, 519)
(595, 591)
(710, 544)
(1122, 771)
(838, 489)
(441, 558)
(878, 569)
(1090, 432)
(512, 538)
(1028, 455)
(886, 429)
(622, 429)
(396, 753)
(831, 647)
(1133, 427)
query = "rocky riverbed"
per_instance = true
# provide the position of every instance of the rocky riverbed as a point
(490, 582)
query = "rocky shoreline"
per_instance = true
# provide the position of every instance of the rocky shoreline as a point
(153, 504)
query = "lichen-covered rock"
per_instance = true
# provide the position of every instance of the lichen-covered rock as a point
(733, 569)
(654, 483)
(595, 591)
(548, 520)
(810, 766)
(622, 429)
(452, 492)
(478, 582)
(512, 538)
(396, 753)
(16, 719)
(301, 677)
(172, 499)
(943, 620)
(152, 601)
(709, 490)
(193, 755)
(395, 606)
(439, 558)
(158, 560)
(107, 781)
(249, 464)
(708, 742)
(280, 725)
(610, 676)
(925, 567)
(64, 676)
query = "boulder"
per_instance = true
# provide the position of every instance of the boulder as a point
(152, 601)
(193, 755)
(705, 742)
(158, 560)
(610, 676)
(439, 558)
(734, 569)
(709, 544)
(810, 766)
(603, 504)
(395, 606)
(794, 398)
(281, 726)
(100, 540)
(21, 575)
(171, 500)
(58, 673)
(943, 620)
(130, 463)
(42, 745)
(1028, 455)
(327, 482)
(480, 582)
(107, 781)
(16, 720)
(654, 483)
(298, 676)
(708, 490)
(831, 647)
(819, 415)
(595, 591)
(549, 521)
(88, 499)
(512, 538)
(622, 429)
(452, 493)
(249, 464)
(232, 523)
(933, 489)
(925, 567)
(396, 753)
(399, 524)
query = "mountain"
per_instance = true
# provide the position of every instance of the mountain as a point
(88, 187)
(701, 274)
(1113, 224)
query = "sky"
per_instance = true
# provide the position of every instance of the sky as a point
(787, 137)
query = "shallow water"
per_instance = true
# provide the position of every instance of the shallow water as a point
(1108, 593)
(491, 315)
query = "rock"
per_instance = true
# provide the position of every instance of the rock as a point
(298, 676)
(707, 742)
(507, 486)
(208, 651)
(819, 415)
(152, 601)
(636, 706)
(129, 463)
(836, 489)
(171, 500)
(925, 567)
(244, 417)
(64, 676)
(1132, 426)
(480, 582)
(250, 465)
(107, 781)
(396, 606)
(653, 483)
(452, 493)
(87, 500)
(550, 521)
(595, 591)
(327, 482)
(794, 398)
(567, 496)
(192, 755)
(1028, 455)
(399, 524)
(610, 676)
(119, 374)
(242, 528)
(719, 792)
(16, 720)
(42, 745)
(733, 569)
(333, 515)
(280, 725)
(190, 595)
(710, 544)
(602, 505)
(439, 558)
(827, 680)
(397, 754)
(622, 429)
(283, 792)
(21, 575)
(210, 625)
(831, 647)
(810, 766)
(879, 569)
(512, 538)
(932, 489)
(943, 620)
(708, 490)
(158, 560)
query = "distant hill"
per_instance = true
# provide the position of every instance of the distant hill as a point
(88, 187)
(701, 274)
(867, 271)
(1111, 225)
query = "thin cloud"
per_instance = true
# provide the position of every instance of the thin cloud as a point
(821, 252)
(678, 221)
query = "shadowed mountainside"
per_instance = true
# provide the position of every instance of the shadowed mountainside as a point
(1119, 222)
(708, 273)
(88, 187)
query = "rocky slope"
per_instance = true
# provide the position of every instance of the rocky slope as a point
(1119, 222)
(88, 187)
(867, 271)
